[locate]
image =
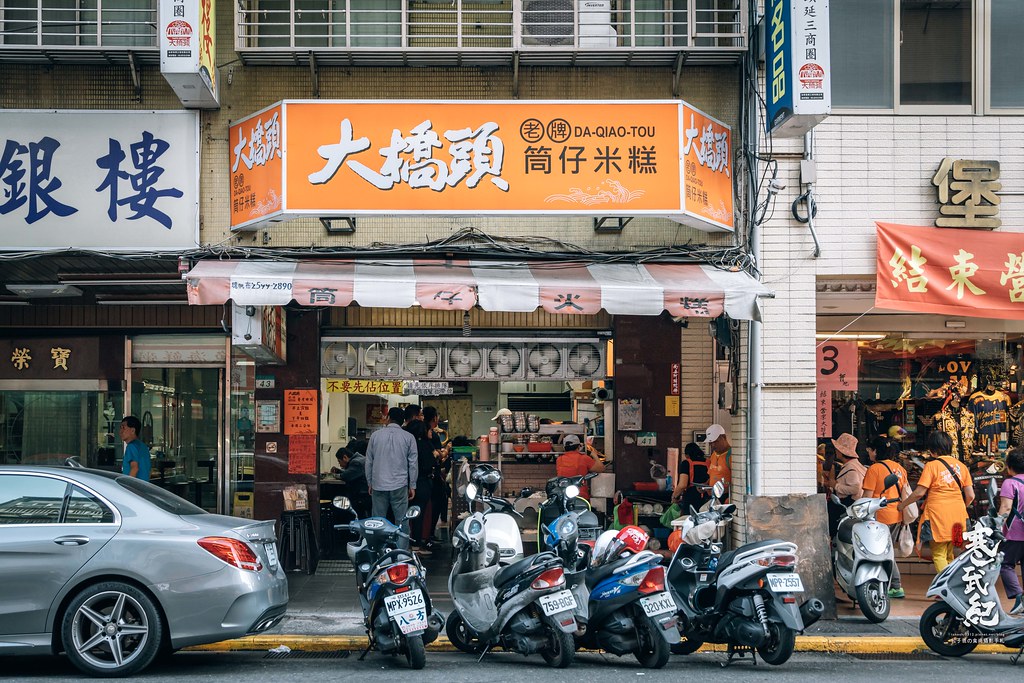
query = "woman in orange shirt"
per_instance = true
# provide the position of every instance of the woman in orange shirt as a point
(950, 490)
(883, 451)
(716, 443)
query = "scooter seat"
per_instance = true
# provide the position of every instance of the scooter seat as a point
(506, 574)
(845, 531)
(727, 557)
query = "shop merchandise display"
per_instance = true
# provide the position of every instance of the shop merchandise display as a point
(958, 421)
(990, 409)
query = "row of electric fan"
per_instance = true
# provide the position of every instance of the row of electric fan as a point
(463, 360)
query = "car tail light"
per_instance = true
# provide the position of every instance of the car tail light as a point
(549, 579)
(654, 581)
(231, 550)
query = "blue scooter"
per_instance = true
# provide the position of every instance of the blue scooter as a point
(392, 585)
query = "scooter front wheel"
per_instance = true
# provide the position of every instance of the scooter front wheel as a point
(940, 627)
(873, 599)
(458, 633)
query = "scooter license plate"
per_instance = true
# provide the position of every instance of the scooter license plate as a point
(658, 604)
(562, 601)
(785, 583)
(409, 601)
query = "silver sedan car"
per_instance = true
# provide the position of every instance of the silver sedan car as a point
(115, 571)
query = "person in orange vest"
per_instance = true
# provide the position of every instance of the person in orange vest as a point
(719, 450)
(574, 463)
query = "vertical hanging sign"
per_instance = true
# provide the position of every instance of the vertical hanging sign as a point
(187, 48)
(798, 82)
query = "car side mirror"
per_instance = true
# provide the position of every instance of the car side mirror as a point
(342, 503)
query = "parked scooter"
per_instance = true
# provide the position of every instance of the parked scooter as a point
(524, 607)
(969, 611)
(745, 598)
(631, 609)
(392, 585)
(558, 503)
(863, 556)
(502, 527)
(562, 536)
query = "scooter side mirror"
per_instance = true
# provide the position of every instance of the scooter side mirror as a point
(342, 503)
(992, 491)
(471, 491)
(718, 489)
(413, 512)
(890, 481)
(526, 492)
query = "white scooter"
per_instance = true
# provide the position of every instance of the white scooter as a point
(862, 555)
(524, 607)
(500, 520)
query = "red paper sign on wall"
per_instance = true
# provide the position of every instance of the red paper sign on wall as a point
(837, 365)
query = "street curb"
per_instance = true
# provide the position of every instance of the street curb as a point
(833, 644)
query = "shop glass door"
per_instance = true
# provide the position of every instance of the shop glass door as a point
(48, 427)
(180, 410)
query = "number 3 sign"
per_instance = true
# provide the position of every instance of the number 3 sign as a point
(837, 365)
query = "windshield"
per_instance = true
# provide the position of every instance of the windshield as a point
(165, 500)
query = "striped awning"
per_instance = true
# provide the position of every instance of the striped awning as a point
(557, 287)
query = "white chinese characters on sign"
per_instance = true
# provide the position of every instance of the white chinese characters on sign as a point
(983, 554)
(712, 148)
(474, 154)
(264, 143)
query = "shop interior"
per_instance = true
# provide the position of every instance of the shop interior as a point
(910, 384)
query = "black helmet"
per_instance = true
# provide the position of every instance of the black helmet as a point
(486, 477)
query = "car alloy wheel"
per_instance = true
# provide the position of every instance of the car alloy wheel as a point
(112, 629)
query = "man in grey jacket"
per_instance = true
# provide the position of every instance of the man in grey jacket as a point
(391, 470)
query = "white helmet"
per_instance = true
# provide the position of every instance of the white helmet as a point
(602, 545)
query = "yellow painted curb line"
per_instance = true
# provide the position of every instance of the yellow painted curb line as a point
(841, 644)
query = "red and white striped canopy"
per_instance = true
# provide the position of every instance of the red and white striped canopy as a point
(560, 287)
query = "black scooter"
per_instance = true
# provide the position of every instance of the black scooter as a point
(745, 598)
(392, 585)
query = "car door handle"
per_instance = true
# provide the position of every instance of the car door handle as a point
(71, 540)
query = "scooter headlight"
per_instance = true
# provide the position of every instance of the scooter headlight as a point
(571, 491)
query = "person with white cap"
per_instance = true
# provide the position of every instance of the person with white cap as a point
(719, 450)
(850, 480)
(574, 463)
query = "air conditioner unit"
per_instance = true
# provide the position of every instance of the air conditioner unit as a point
(558, 22)
(421, 360)
(339, 359)
(544, 361)
(584, 360)
(504, 361)
(379, 360)
(463, 361)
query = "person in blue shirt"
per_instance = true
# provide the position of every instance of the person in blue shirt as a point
(136, 454)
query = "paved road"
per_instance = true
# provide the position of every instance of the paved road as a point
(203, 667)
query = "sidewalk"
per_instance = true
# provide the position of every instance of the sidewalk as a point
(324, 615)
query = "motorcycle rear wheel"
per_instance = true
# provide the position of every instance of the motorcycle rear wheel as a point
(873, 600)
(415, 652)
(653, 650)
(779, 648)
(457, 632)
(936, 623)
(562, 649)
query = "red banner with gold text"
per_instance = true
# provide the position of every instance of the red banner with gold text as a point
(950, 272)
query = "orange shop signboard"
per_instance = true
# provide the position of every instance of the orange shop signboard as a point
(352, 158)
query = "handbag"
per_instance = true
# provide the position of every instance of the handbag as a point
(673, 512)
(903, 540)
(911, 512)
